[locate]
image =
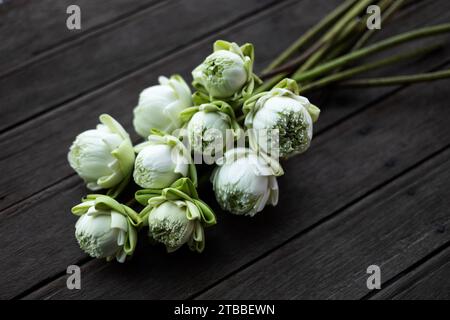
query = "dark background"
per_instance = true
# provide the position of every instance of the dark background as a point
(373, 188)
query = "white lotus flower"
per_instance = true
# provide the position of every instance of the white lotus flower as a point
(104, 156)
(159, 106)
(245, 182)
(227, 73)
(210, 127)
(162, 160)
(176, 215)
(283, 112)
(105, 228)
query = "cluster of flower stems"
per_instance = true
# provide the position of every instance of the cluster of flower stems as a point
(324, 54)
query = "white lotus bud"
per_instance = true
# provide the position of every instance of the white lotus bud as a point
(161, 161)
(210, 127)
(226, 73)
(169, 224)
(159, 106)
(245, 182)
(285, 113)
(104, 156)
(104, 232)
(176, 215)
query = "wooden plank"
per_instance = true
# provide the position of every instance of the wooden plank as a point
(335, 173)
(52, 162)
(429, 281)
(65, 222)
(108, 56)
(41, 257)
(67, 230)
(392, 228)
(49, 164)
(29, 29)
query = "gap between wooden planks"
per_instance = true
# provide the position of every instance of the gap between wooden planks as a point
(427, 281)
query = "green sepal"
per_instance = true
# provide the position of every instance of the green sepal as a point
(159, 137)
(314, 112)
(247, 53)
(214, 106)
(181, 190)
(124, 153)
(105, 203)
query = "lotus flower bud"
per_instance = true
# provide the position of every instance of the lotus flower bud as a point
(159, 106)
(284, 112)
(106, 228)
(104, 156)
(161, 161)
(245, 182)
(209, 127)
(176, 215)
(227, 73)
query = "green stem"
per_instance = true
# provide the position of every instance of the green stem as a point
(289, 67)
(320, 48)
(353, 34)
(339, 31)
(399, 80)
(390, 42)
(366, 67)
(388, 13)
(314, 59)
(268, 84)
(349, 16)
(310, 34)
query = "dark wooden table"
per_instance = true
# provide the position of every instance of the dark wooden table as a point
(372, 190)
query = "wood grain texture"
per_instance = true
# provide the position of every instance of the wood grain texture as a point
(108, 56)
(429, 281)
(392, 228)
(335, 173)
(29, 29)
(358, 151)
(49, 164)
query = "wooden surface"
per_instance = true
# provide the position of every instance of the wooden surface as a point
(373, 189)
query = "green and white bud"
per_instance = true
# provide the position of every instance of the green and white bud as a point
(162, 160)
(209, 127)
(285, 113)
(168, 224)
(176, 215)
(245, 182)
(227, 73)
(159, 106)
(104, 156)
(106, 228)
